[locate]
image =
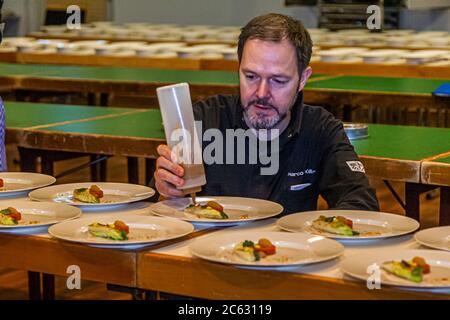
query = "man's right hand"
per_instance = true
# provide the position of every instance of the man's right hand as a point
(168, 174)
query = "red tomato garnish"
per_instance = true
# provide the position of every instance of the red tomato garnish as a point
(269, 250)
(1, 183)
(266, 246)
(121, 226)
(13, 213)
(96, 191)
(422, 263)
(16, 216)
(346, 221)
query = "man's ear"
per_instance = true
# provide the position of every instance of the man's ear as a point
(305, 76)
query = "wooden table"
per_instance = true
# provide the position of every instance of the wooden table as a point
(398, 153)
(432, 70)
(169, 267)
(109, 80)
(390, 153)
(44, 256)
(393, 152)
(51, 257)
(107, 61)
(85, 129)
(437, 172)
(320, 90)
(34, 128)
(428, 70)
(173, 269)
(387, 154)
(376, 91)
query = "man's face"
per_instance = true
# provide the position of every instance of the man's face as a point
(269, 82)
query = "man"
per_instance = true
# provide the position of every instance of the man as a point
(314, 153)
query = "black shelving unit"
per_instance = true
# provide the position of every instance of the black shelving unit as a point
(351, 14)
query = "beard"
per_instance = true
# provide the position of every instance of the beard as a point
(260, 120)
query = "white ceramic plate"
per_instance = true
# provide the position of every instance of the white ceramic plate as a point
(439, 261)
(38, 214)
(437, 238)
(144, 230)
(114, 193)
(18, 182)
(239, 210)
(292, 249)
(370, 224)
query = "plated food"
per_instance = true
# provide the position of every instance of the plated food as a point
(10, 216)
(265, 249)
(336, 225)
(18, 215)
(349, 224)
(95, 195)
(251, 251)
(217, 210)
(406, 268)
(210, 210)
(14, 183)
(412, 270)
(120, 231)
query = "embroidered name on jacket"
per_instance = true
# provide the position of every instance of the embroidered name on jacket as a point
(301, 173)
(356, 166)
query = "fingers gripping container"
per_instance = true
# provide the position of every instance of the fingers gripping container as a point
(181, 134)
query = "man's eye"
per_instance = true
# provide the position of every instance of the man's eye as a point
(278, 81)
(250, 76)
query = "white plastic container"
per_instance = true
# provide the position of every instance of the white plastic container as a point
(181, 135)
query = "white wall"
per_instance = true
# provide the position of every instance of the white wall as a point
(436, 19)
(211, 12)
(31, 13)
(238, 12)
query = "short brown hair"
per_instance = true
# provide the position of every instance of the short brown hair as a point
(277, 27)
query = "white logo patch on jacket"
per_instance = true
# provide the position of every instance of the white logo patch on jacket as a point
(356, 166)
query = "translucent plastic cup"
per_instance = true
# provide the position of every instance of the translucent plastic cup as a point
(181, 135)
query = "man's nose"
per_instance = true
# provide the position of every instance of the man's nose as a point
(263, 89)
